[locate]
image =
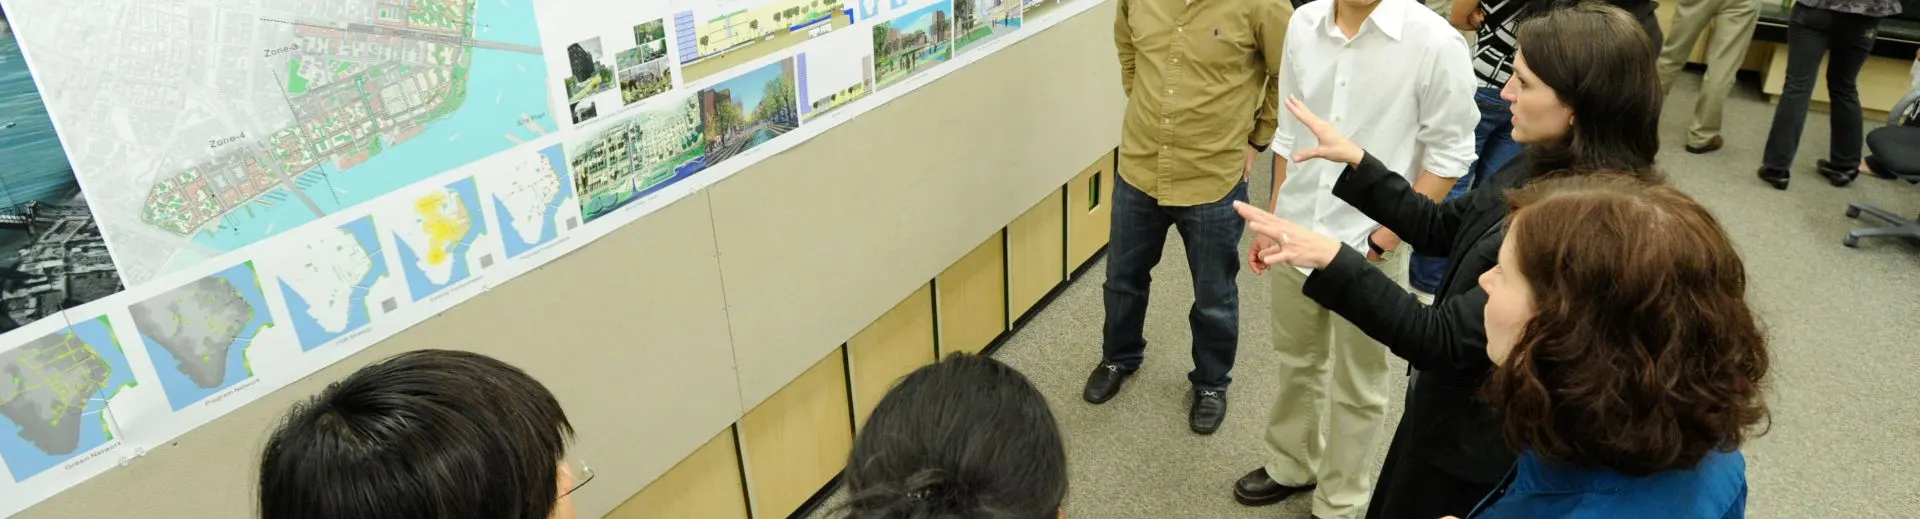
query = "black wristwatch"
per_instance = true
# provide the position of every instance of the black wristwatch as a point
(1377, 249)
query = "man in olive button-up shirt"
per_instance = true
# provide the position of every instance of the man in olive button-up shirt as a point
(1201, 101)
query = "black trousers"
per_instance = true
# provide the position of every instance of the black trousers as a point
(1412, 488)
(1811, 33)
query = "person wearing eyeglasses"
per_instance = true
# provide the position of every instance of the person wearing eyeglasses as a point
(427, 434)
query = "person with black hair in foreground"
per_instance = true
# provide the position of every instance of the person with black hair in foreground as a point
(964, 437)
(428, 434)
(1585, 98)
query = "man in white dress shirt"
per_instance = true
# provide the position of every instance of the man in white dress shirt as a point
(1397, 79)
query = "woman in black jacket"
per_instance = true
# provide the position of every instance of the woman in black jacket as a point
(1585, 97)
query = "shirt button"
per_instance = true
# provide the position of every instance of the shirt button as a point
(1165, 121)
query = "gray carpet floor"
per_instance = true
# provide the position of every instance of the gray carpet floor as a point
(1844, 325)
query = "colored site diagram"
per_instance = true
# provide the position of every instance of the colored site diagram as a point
(298, 109)
(198, 334)
(912, 42)
(646, 150)
(53, 395)
(436, 236)
(533, 200)
(980, 21)
(327, 290)
(717, 35)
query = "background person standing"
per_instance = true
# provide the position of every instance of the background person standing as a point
(1199, 107)
(1816, 28)
(1733, 22)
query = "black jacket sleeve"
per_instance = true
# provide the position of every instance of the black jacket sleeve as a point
(1387, 198)
(1447, 337)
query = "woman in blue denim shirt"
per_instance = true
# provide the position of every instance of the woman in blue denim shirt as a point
(1629, 367)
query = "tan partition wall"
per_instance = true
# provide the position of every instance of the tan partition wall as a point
(893, 346)
(818, 241)
(972, 297)
(796, 440)
(1089, 213)
(706, 485)
(1036, 253)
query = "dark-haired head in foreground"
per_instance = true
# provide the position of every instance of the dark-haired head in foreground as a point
(966, 437)
(429, 434)
(1619, 323)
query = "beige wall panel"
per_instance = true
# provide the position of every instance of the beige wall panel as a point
(1036, 253)
(972, 297)
(893, 346)
(797, 439)
(1089, 211)
(706, 485)
(818, 241)
(645, 380)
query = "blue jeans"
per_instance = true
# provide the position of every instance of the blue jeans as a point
(1493, 142)
(1211, 233)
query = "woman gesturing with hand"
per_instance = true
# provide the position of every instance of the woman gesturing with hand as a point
(1585, 97)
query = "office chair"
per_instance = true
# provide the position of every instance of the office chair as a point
(1894, 153)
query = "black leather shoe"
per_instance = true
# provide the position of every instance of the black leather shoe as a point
(1836, 176)
(1105, 382)
(1209, 409)
(1775, 177)
(1257, 489)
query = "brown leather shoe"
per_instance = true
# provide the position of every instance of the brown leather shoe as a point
(1712, 145)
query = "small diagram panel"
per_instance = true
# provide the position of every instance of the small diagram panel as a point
(912, 42)
(836, 69)
(748, 110)
(54, 391)
(981, 21)
(532, 199)
(436, 234)
(1034, 10)
(717, 35)
(199, 334)
(589, 75)
(639, 153)
(337, 283)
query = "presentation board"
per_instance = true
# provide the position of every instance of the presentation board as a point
(238, 196)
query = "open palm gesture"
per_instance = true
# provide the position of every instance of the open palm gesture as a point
(1332, 145)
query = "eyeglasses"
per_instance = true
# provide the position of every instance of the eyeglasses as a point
(579, 472)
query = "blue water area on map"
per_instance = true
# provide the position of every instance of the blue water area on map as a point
(418, 283)
(601, 205)
(308, 329)
(37, 168)
(549, 227)
(181, 390)
(501, 87)
(23, 458)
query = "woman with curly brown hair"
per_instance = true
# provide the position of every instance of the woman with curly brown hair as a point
(1628, 366)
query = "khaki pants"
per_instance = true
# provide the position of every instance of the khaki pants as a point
(1318, 349)
(1733, 22)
